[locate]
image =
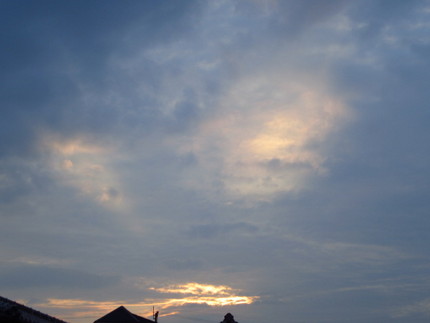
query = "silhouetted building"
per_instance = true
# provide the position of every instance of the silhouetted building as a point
(122, 315)
(229, 318)
(13, 312)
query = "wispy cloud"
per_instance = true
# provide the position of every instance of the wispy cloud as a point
(421, 308)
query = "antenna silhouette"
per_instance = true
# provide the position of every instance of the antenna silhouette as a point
(155, 315)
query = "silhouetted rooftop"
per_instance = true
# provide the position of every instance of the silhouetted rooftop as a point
(122, 315)
(10, 310)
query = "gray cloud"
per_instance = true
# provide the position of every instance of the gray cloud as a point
(37, 276)
(277, 147)
(52, 62)
(217, 231)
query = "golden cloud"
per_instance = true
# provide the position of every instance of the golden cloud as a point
(84, 165)
(194, 293)
(268, 138)
(195, 289)
(212, 295)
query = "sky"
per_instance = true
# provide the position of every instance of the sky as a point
(265, 158)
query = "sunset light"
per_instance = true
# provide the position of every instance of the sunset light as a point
(195, 289)
(198, 294)
(85, 166)
(252, 160)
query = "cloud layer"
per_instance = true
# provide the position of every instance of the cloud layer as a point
(265, 158)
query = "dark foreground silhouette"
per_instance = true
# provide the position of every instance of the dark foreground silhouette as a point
(229, 318)
(12, 312)
(121, 314)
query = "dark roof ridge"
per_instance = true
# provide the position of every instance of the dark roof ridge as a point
(122, 314)
(31, 310)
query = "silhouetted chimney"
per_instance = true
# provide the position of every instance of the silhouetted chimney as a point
(229, 318)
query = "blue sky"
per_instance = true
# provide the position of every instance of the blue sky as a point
(265, 158)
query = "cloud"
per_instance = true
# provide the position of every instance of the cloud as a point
(268, 138)
(85, 166)
(41, 276)
(194, 293)
(421, 308)
(195, 289)
(274, 146)
(210, 231)
(57, 72)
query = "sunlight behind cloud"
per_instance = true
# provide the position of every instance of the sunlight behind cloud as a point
(195, 289)
(268, 138)
(212, 295)
(85, 166)
(194, 293)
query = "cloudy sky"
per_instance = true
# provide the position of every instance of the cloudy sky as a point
(265, 158)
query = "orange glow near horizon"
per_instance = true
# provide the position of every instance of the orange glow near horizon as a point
(194, 293)
(195, 289)
(212, 295)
